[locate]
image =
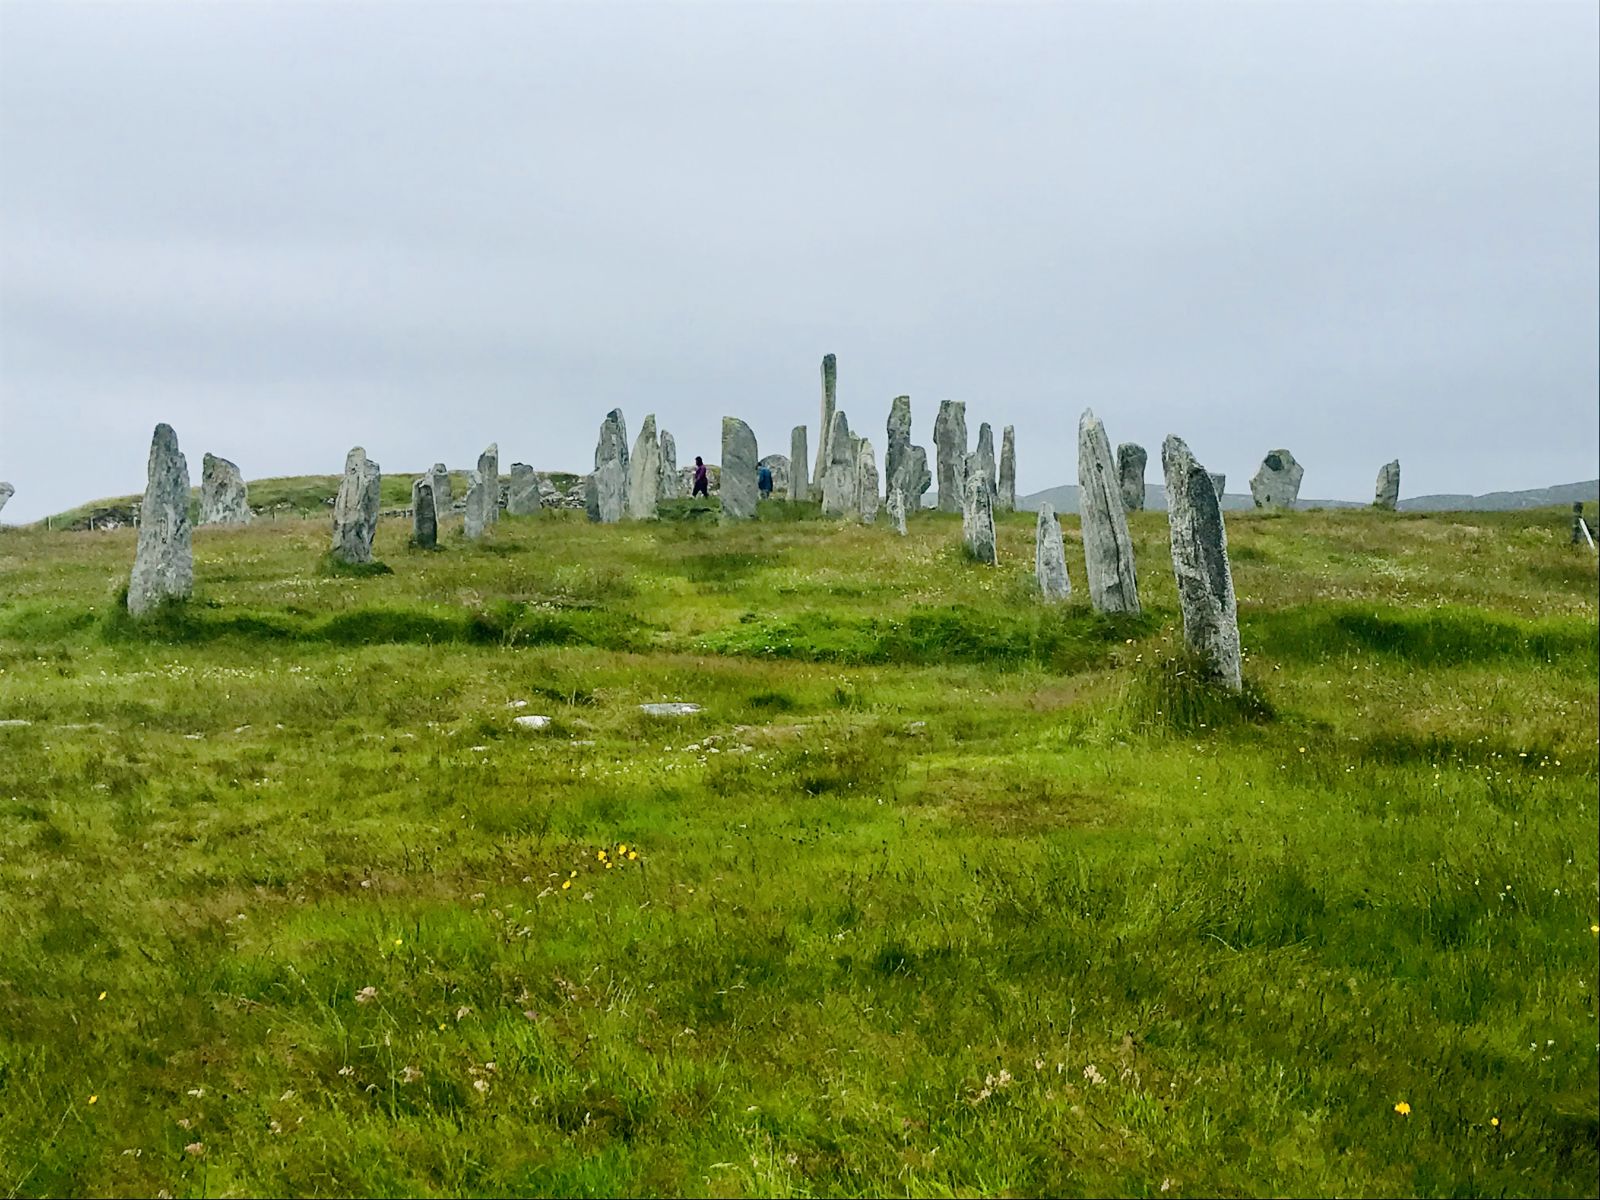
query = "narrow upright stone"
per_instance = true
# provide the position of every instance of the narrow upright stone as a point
(1050, 557)
(443, 501)
(977, 513)
(424, 521)
(163, 564)
(897, 511)
(1107, 548)
(644, 472)
(799, 465)
(897, 442)
(355, 509)
(1276, 483)
(1131, 460)
(223, 499)
(1388, 490)
(950, 443)
(1200, 565)
(839, 480)
(475, 522)
(738, 486)
(915, 478)
(611, 470)
(523, 496)
(830, 385)
(670, 487)
(985, 458)
(1006, 501)
(867, 483)
(489, 468)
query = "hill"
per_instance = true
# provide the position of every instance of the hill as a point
(1065, 499)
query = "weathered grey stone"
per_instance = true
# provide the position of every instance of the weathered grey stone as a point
(799, 465)
(163, 564)
(489, 468)
(672, 708)
(867, 501)
(443, 502)
(830, 384)
(611, 470)
(644, 472)
(915, 478)
(223, 500)
(591, 496)
(6, 492)
(424, 521)
(1006, 499)
(897, 442)
(1050, 557)
(1200, 565)
(950, 445)
(977, 512)
(1107, 549)
(474, 521)
(1276, 483)
(984, 457)
(1387, 494)
(524, 497)
(778, 464)
(839, 478)
(1219, 481)
(739, 493)
(1131, 461)
(897, 511)
(355, 509)
(668, 485)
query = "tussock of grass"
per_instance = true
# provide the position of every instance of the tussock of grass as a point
(1447, 636)
(1173, 694)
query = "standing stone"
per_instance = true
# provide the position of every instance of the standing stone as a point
(897, 511)
(489, 468)
(479, 501)
(355, 509)
(1107, 549)
(223, 500)
(739, 492)
(523, 496)
(1050, 557)
(915, 478)
(644, 472)
(867, 483)
(977, 513)
(1388, 491)
(6, 492)
(424, 521)
(1219, 481)
(591, 496)
(443, 502)
(897, 443)
(668, 486)
(799, 465)
(1200, 564)
(163, 565)
(830, 384)
(1131, 460)
(1006, 501)
(950, 443)
(1276, 483)
(839, 479)
(778, 464)
(611, 470)
(985, 457)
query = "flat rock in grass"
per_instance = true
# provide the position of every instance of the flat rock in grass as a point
(675, 708)
(1387, 494)
(644, 472)
(15, 723)
(443, 501)
(1276, 483)
(668, 485)
(524, 497)
(223, 497)
(1131, 462)
(531, 721)
(424, 522)
(1050, 558)
(1107, 548)
(977, 514)
(1006, 499)
(867, 501)
(897, 511)
(163, 565)
(799, 465)
(950, 445)
(1200, 565)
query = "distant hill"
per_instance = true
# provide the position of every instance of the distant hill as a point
(1065, 499)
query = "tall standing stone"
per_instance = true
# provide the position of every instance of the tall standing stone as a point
(1276, 483)
(799, 465)
(950, 443)
(424, 521)
(644, 472)
(897, 511)
(977, 513)
(1050, 557)
(443, 502)
(915, 479)
(1131, 460)
(1200, 565)
(830, 386)
(355, 509)
(669, 486)
(839, 479)
(475, 521)
(897, 442)
(739, 491)
(867, 482)
(223, 499)
(610, 478)
(985, 458)
(489, 468)
(1006, 501)
(1107, 548)
(163, 564)
(523, 497)
(1387, 494)
(1220, 481)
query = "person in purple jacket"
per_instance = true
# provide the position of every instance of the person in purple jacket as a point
(701, 484)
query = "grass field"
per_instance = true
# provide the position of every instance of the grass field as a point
(941, 893)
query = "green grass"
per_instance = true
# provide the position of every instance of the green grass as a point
(942, 892)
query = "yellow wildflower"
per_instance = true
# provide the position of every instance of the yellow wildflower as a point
(1494, 1122)
(95, 1099)
(622, 847)
(632, 854)
(600, 855)
(565, 884)
(1403, 1109)
(101, 996)
(397, 941)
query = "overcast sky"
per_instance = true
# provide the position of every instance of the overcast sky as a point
(1358, 231)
